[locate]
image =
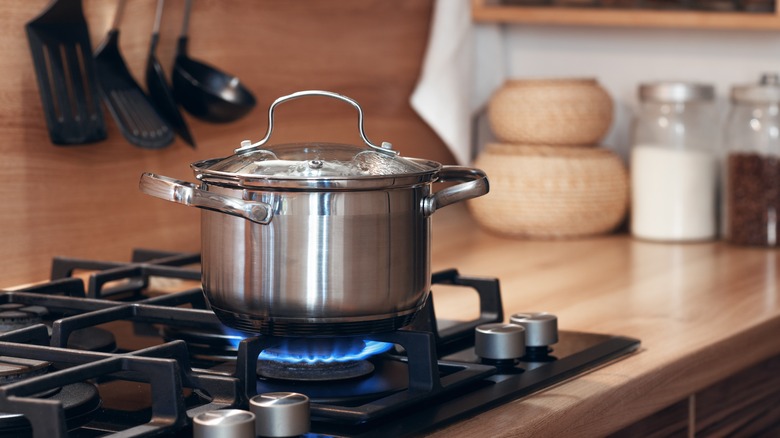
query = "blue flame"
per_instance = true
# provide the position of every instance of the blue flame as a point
(294, 350)
(369, 348)
(234, 337)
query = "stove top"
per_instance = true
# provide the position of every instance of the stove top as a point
(112, 355)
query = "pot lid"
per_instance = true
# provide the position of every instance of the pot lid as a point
(311, 165)
(314, 160)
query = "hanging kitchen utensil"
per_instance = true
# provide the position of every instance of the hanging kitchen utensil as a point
(135, 115)
(62, 55)
(204, 91)
(159, 90)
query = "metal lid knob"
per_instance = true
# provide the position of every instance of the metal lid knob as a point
(225, 423)
(280, 414)
(499, 341)
(541, 328)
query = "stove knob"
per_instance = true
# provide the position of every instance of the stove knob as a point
(541, 328)
(280, 414)
(226, 423)
(499, 341)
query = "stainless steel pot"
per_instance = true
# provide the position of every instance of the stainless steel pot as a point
(316, 239)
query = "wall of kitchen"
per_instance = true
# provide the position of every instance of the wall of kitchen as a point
(83, 200)
(621, 58)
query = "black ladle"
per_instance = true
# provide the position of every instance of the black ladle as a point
(204, 91)
(158, 87)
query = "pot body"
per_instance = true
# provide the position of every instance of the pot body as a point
(328, 263)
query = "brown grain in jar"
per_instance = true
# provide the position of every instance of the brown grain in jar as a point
(752, 170)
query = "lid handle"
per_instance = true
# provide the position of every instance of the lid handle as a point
(247, 145)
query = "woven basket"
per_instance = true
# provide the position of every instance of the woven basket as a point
(551, 191)
(551, 112)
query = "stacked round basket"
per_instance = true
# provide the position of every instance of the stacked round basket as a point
(548, 177)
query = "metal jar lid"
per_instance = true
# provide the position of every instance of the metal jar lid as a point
(676, 92)
(315, 165)
(766, 91)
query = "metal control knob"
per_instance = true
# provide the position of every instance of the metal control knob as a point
(280, 414)
(541, 328)
(499, 341)
(224, 423)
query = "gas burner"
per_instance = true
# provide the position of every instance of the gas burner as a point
(317, 372)
(15, 316)
(23, 314)
(387, 376)
(319, 359)
(80, 401)
(13, 369)
(92, 339)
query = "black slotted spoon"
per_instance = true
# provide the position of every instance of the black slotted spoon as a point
(131, 109)
(62, 56)
(158, 87)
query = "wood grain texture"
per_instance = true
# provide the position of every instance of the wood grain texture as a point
(671, 422)
(746, 404)
(702, 311)
(83, 201)
(490, 12)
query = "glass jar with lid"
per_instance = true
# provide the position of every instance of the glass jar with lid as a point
(752, 193)
(674, 164)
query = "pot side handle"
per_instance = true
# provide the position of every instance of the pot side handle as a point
(187, 193)
(475, 184)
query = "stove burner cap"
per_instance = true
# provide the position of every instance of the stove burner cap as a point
(92, 339)
(319, 372)
(15, 316)
(15, 368)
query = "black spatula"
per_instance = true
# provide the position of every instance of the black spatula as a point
(62, 55)
(158, 87)
(131, 109)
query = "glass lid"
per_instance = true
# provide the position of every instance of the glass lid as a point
(316, 164)
(316, 160)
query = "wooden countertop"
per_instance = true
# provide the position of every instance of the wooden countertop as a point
(703, 311)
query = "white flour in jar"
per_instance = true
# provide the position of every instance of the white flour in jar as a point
(673, 193)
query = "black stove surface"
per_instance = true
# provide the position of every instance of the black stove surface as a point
(157, 360)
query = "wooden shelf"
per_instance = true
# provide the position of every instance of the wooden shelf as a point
(493, 11)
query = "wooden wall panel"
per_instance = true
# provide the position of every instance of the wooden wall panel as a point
(83, 201)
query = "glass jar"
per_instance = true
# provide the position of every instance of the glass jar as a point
(673, 163)
(752, 195)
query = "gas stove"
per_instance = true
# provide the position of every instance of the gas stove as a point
(99, 351)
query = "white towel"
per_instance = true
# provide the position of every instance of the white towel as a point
(464, 64)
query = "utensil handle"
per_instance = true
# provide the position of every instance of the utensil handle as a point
(187, 193)
(158, 17)
(475, 184)
(247, 145)
(185, 25)
(120, 10)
